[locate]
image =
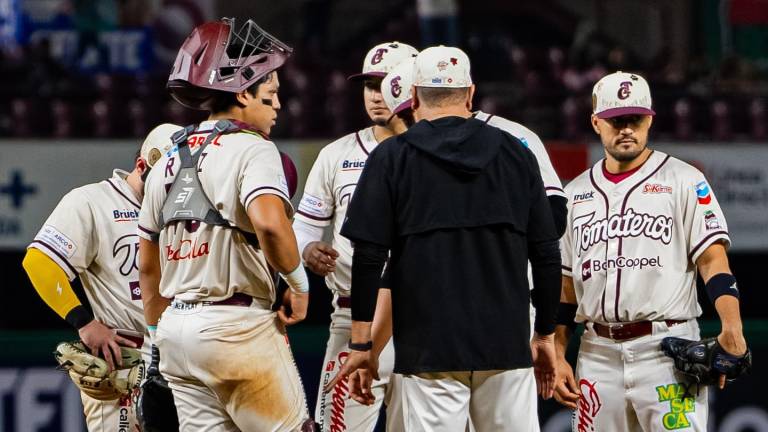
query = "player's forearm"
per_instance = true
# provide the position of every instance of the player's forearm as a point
(361, 332)
(382, 321)
(306, 234)
(367, 264)
(562, 338)
(276, 237)
(149, 281)
(545, 266)
(727, 308)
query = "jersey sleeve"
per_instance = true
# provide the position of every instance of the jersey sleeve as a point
(152, 204)
(704, 220)
(371, 213)
(566, 241)
(552, 184)
(262, 173)
(67, 236)
(317, 204)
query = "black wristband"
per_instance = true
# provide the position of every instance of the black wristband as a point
(78, 317)
(566, 315)
(361, 346)
(721, 284)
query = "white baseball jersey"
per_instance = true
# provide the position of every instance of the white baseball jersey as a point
(552, 184)
(327, 193)
(206, 262)
(92, 234)
(631, 246)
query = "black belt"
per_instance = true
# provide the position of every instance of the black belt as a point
(624, 331)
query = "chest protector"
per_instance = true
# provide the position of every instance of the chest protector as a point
(186, 200)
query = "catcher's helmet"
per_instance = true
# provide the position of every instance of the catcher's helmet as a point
(216, 57)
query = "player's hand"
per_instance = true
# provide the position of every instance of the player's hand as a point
(733, 342)
(104, 342)
(360, 383)
(320, 257)
(566, 390)
(544, 361)
(357, 360)
(294, 308)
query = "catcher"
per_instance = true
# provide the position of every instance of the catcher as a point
(91, 234)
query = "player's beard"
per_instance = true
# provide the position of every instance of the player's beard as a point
(380, 121)
(625, 155)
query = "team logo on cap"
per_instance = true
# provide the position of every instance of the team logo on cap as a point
(454, 61)
(378, 56)
(442, 65)
(395, 87)
(624, 90)
(702, 193)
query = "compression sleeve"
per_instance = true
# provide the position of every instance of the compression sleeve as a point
(52, 284)
(559, 207)
(367, 263)
(306, 234)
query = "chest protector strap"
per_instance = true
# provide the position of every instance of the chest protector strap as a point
(186, 200)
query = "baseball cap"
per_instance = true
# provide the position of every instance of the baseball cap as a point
(396, 86)
(157, 142)
(382, 58)
(442, 66)
(621, 93)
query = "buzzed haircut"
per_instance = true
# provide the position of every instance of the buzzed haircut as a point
(436, 97)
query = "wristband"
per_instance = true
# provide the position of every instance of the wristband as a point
(297, 280)
(566, 315)
(78, 317)
(361, 346)
(152, 329)
(721, 284)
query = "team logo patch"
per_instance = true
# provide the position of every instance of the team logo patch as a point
(57, 241)
(395, 88)
(702, 193)
(583, 197)
(442, 65)
(680, 404)
(711, 221)
(378, 56)
(589, 406)
(586, 270)
(135, 290)
(624, 90)
(656, 188)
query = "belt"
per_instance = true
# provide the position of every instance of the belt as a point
(624, 331)
(237, 299)
(344, 302)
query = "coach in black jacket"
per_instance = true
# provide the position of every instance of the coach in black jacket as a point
(461, 208)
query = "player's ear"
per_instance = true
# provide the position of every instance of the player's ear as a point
(471, 96)
(415, 103)
(650, 121)
(594, 121)
(243, 98)
(140, 165)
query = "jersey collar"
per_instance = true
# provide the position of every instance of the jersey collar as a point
(120, 186)
(654, 162)
(366, 140)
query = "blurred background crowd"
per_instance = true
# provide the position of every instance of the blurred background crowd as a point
(77, 68)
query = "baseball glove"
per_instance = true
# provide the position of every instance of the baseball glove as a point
(705, 360)
(155, 409)
(92, 375)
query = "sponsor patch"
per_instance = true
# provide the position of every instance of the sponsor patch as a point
(57, 241)
(313, 206)
(125, 215)
(680, 404)
(656, 188)
(135, 290)
(586, 270)
(711, 221)
(622, 262)
(353, 164)
(583, 197)
(702, 193)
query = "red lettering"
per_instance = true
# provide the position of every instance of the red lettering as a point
(337, 406)
(589, 405)
(187, 249)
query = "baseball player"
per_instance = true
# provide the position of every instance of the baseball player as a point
(214, 225)
(327, 192)
(641, 226)
(91, 234)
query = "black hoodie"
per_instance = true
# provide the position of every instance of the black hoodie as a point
(462, 208)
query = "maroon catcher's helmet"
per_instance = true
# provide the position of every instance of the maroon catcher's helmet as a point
(215, 57)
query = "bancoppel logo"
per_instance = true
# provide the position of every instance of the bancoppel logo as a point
(125, 215)
(623, 262)
(656, 188)
(583, 197)
(586, 270)
(353, 164)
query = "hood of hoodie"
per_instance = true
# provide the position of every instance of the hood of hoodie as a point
(450, 140)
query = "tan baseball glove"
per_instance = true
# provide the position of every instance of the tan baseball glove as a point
(92, 375)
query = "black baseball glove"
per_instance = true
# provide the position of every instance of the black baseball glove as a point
(155, 409)
(705, 360)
